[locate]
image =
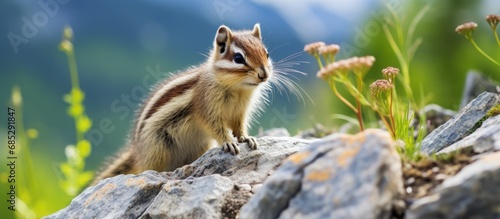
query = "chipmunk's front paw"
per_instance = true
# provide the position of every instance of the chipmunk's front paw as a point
(251, 141)
(231, 147)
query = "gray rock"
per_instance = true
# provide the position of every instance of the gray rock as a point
(475, 84)
(341, 176)
(485, 138)
(248, 167)
(473, 193)
(124, 196)
(461, 125)
(202, 197)
(435, 116)
(214, 186)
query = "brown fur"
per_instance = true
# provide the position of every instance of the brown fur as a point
(184, 114)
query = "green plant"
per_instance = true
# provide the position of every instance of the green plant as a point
(382, 91)
(468, 28)
(400, 36)
(74, 177)
(494, 111)
(29, 199)
(401, 40)
(493, 20)
(348, 72)
(395, 111)
(35, 193)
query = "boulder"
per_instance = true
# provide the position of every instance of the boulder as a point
(472, 193)
(461, 125)
(475, 84)
(485, 138)
(214, 186)
(340, 176)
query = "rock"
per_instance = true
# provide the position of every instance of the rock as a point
(475, 84)
(245, 187)
(249, 167)
(202, 197)
(256, 188)
(461, 125)
(214, 186)
(472, 193)
(124, 196)
(341, 176)
(435, 116)
(485, 138)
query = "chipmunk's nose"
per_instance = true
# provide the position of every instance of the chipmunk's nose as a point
(263, 75)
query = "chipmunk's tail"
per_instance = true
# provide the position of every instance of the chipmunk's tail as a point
(121, 163)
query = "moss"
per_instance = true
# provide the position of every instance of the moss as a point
(495, 110)
(454, 157)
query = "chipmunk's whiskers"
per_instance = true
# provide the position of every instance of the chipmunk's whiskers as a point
(284, 76)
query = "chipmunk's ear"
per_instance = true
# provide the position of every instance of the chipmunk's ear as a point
(222, 39)
(256, 30)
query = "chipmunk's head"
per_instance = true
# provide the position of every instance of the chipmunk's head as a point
(240, 58)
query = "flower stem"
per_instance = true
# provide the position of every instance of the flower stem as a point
(387, 124)
(25, 152)
(496, 37)
(75, 85)
(73, 70)
(482, 52)
(334, 88)
(358, 103)
(405, 69)
(360, 117)
(318, 59)
(391, 116)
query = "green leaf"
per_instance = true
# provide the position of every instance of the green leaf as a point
(71, 190)
(75, 110)
(348, 119)
(77, 95)
(83, 124)
(84, 148)
(66, 169)
(32, 133)
(67, 98)
(84, 178)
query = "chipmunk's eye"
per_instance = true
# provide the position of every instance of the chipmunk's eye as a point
(267, 55)
(238, 58)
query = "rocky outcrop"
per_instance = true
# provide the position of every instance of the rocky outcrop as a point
(340, 176)
(337, 176)
(473, 193)
(435, 116)
(359, 172)
(475, 84)
(485, 138)
(214, 186)
(461, 125)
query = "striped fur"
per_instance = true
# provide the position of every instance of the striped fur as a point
(187, 113)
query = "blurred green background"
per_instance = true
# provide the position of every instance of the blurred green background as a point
(118, 44)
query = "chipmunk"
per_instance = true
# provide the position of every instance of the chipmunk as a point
(185, 113)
